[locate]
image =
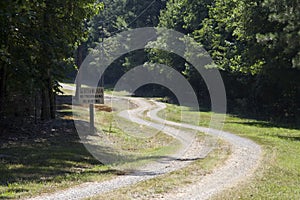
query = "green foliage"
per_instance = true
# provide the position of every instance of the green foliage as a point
(255, 44)
(184, 15)
(118, 16)
(37, 41)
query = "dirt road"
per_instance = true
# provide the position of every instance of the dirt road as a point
(241, 164)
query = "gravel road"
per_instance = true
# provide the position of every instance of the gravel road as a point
(244, 159)
(242, 162)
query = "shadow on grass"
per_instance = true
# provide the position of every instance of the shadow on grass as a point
(292, 138)
(48, 151)
(54, 162)
(258, 121)
(44, 159)
(265, 124)
(52, 152)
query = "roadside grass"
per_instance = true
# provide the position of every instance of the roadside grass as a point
(155, 188)
(46, 158)
(141, 143)
(137, 144)
(278, 176)
(55, 158)
(68, 92)
(47, 164)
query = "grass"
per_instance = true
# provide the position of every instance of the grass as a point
(35, 167)
(137, 144)
(278, 176)
(55, 158)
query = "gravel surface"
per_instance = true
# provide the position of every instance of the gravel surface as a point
(242, 162)
(244, 159)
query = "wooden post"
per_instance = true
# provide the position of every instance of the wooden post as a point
(92, 125)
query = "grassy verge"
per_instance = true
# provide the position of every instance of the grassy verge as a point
(140, 143)
(42, 158)
(278, 177)
(46, 162)
(136, 144)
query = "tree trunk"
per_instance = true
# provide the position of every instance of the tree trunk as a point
(2, 90)
(79, 61)
(45, 107)
(52, 102)
(48, 99)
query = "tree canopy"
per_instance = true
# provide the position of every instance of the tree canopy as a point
(255, 44)
(37, 43)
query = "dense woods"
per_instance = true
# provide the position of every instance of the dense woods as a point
(255, 44)
(38, 39)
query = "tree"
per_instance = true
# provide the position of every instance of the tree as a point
(256, 43)
(37, 42)
(184, 16)
(118, 16)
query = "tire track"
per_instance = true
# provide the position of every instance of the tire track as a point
(241, 164)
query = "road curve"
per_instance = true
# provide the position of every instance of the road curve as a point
(242, 162)
(244, 159)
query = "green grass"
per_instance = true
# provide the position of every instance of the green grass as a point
(50, 161)
(68, 92)
(278, 177)
(141, 144)
(137, 144)
(54, 163)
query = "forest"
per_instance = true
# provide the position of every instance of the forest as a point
(255, 44)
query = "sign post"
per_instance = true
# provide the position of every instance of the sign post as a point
(92, 118)
(91, 96)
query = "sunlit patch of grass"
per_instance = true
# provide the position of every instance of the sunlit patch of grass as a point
(56, 161)
(142, 144)
(33, 169)
(67, 92)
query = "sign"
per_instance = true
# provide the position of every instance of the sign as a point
(91, 95)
